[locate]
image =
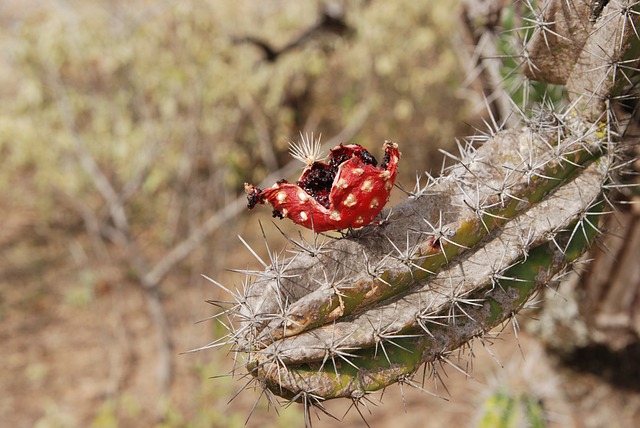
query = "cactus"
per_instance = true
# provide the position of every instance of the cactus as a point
(429, 314)
(351, 315)
(505, 410)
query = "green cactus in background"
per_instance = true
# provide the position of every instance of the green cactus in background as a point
(505, 410)
(347, 316)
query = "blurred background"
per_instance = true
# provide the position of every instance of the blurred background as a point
(127, 130)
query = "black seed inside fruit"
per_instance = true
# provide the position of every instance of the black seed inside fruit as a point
(368, 158)
(318, 179)
(385, 160)
(253, 198)
(317, 182)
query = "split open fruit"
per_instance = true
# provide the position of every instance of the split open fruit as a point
(349, 190)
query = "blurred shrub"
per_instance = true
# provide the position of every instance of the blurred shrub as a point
(130, 80)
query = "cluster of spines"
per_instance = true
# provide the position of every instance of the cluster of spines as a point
(394, 354)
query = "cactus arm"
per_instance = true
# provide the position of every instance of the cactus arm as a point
(459, 278)
(512, 186)
(371, 370)
(609, 56)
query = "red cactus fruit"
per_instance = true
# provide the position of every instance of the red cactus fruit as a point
(348, 191)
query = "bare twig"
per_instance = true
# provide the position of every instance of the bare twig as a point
(120, 233)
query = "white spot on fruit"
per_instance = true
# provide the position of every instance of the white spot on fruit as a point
(335, 216)
(385, 175)
(388, 186)
(281, 197)
(374, 203)
(367, 186)
(303, 197)
(350, 200)
(304, 216)
(357, 171)
(342, 183)
(359, 220)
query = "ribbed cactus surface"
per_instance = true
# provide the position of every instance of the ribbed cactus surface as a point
(447, 265)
